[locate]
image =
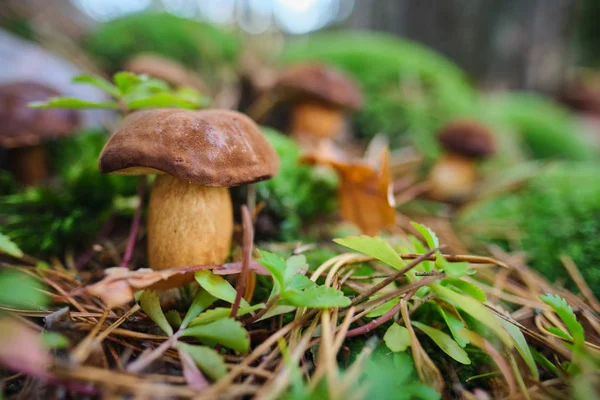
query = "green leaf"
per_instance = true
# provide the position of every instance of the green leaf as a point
(54, 340)
(475, 309)
(445, 342)
(276, 266)
(207, 359)
(299, 282)
(151, 305)
(467, 288)
(9, 247)
(382, 309)
(522, 346)
(566, 314)
(99, 82)
(220, 312)
(454, 269)
(218, 286)
(69, 102)
(397, 338)
(544, 362)
(174, 318)
(374, 247)
(559, 332)
(455, 325)
(429, 236)
(22, 291)
(317, 297)
(202, 300)
(228, 332)
(161, 100)
(277, 310)
(126, 81)
(294, 266)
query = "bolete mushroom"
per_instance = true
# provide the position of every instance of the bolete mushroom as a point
(164, 69)
(23, 130)
(454, 176)
(196, 156)
(320, 97)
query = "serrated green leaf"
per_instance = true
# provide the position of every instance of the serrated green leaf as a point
(374, 247)
(382, 309)
(317, 297)
(475, 309)
(218, 286)
(467, 288)
(397, 338)
(208, 360)
(9, 247)
(174, 318)
(22, 291)
(99, 82)
(429, 236)
(161, 100)
(217, 313)
(226, 331)
(566, 314)
(276, 266)
(455, 325)
(69, 102)
(444, 342)
(294, 265)
(150, 303)
(54, 340)
(522, 347)
(202, 300)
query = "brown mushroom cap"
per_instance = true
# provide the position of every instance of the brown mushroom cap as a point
(164, 69)
(208, 147)
(320, 82)
(467, 138)
(22, 126)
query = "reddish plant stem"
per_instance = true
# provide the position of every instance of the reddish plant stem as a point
(135, 224)
(248, 239)
(361, 330)
(393, 277)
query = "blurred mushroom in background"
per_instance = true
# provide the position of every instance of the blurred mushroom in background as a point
(24, 129)
(454, 176)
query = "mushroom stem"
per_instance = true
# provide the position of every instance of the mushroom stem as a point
(29, 164)
(453, 177)
(188, 224)
(314, 124)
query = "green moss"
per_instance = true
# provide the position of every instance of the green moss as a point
(50, 219)
(409, 90)
(558, 212)
(547, 130)
(297, 193)
(192, 43)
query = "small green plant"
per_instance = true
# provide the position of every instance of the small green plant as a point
(130, 92)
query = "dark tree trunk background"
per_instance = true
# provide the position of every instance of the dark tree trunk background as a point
(512, 44)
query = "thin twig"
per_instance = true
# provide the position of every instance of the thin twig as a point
(135, 224)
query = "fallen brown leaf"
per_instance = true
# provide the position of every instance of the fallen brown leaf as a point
(365, 193)
(119, 284)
